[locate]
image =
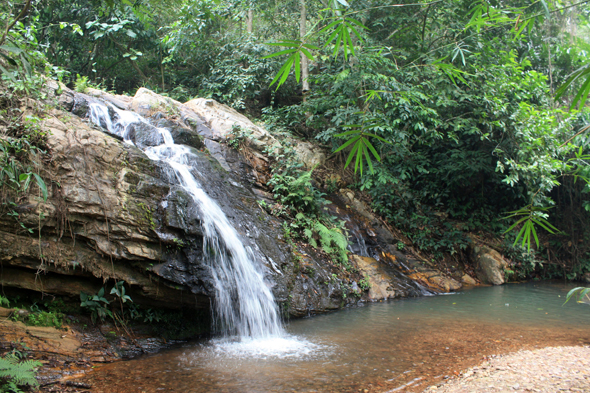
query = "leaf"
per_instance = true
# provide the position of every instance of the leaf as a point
(370, 146)
(547, 13)
(283, 52)
(579, 73)
(306, 53)
(351, 154)
(26, 65)
(8, 73)
(13, 49)
(347, 143)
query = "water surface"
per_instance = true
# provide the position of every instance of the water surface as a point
(402, 345)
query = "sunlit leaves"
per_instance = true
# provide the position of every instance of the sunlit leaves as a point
(580, 293)
(484, 14)
(530, 216)
(75, 27)
(584, 90)
(341, 31)
(295, 48)
(361, 145)
(460, 49)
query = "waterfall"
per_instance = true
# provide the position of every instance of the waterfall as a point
(244, 305)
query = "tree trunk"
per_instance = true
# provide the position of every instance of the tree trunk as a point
(304, 64)
(250, 21)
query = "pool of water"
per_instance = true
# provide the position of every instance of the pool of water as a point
(402, 345)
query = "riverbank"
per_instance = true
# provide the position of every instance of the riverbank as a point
(552, 369)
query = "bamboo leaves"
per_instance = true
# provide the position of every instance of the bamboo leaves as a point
(530, 216)
(295, 48)
(583, 91)
(359, 138)
(341, 32)
(580, 293)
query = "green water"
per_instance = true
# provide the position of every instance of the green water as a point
(404, 345)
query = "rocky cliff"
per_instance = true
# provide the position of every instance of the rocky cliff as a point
(112, 213)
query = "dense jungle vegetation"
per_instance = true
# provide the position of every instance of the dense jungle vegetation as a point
(453, 116)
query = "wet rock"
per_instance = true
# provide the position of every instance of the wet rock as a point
(66, 101)
(435, 280)
(120, 101)
(143, 135)
(181, 135)
(489, 265)
(217, 151)
(381, 281)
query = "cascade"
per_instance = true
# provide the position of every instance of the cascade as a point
(244, 305)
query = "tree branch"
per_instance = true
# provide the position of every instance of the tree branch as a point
(22, 14)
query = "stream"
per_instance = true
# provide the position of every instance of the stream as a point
(402, 345)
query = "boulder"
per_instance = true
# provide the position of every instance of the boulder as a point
(222, 121)
(309, 154)
(380, 280)
(147, 103)
(489, 264)
(468, 280)
(434, 279)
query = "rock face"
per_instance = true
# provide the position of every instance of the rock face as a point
(112, 213)
(489, 265)
(389, 272)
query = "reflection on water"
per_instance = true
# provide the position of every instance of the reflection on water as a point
(405, 345)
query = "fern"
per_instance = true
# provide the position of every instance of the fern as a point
(333, 241)
(17, 373)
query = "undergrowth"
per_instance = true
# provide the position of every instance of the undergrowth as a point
(303, 204)
(16, 372)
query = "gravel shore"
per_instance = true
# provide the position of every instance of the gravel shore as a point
(553, 369)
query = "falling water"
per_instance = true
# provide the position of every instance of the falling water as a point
(244, 304)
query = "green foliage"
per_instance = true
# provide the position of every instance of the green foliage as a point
(15, 372)
(296, 49)
(238, 138)
(20, 149)
(81, 83)
(581, 293)
(299, 199)
(365, 283)
(239, 75)
(44, 318)
(583, 91)
(118, 291)
(97, 305)
(530, 216)
(361, 144)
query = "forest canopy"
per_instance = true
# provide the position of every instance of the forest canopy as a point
(454, 116)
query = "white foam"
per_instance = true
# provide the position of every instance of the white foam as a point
(271, 347)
